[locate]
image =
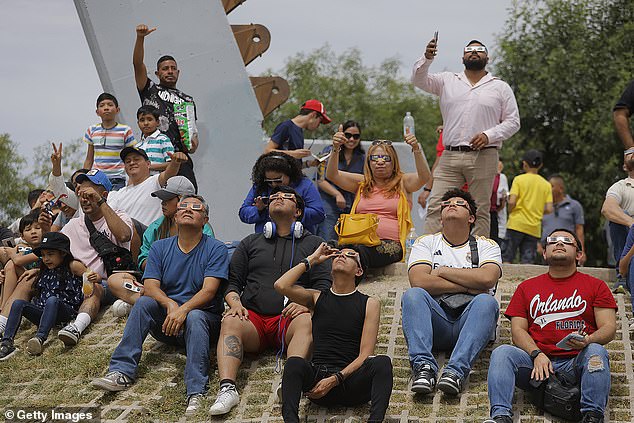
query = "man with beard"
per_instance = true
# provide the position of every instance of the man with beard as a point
(618, 209)
(479, 112)
(544, 311)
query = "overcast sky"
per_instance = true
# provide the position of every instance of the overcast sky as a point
(50, 82)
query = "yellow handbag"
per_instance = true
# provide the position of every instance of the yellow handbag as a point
(358, 228)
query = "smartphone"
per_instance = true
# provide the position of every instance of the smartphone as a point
(436, 36)
(8, 242)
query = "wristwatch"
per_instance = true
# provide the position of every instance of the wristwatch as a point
(535, 353)
(306, 263)
(101, 201)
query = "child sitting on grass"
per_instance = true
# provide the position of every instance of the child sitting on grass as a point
(57, 298)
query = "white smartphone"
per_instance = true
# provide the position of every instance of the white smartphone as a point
(131, 287)
(563, 344)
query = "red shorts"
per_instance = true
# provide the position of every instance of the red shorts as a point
(271, 329)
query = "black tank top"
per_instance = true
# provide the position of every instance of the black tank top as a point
(337, 328)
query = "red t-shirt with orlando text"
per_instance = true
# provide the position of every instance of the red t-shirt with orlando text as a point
(556, 307)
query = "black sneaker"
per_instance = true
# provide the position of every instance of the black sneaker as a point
(424, 380)
(113, 382)
(592, 417)
(7, 350)
(499, 419)
(450, 383)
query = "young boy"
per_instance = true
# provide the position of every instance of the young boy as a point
(156, 144)
(530, 198)
(106, 140)
(20, 258)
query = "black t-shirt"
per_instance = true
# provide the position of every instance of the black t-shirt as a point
(337, 329)
(164, 99)
(627, 99)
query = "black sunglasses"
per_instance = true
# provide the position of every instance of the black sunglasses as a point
(355, 137)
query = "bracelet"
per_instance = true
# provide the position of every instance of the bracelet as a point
(426, 189)
(100, 202)
(418, 151)
(339, 377)
(336, 150)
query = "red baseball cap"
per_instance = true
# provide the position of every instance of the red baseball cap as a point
(317, 106)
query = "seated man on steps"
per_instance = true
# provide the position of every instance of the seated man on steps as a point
(181, 303)
(345, 328)
(450, 306)
(543, 311)
(258, 316)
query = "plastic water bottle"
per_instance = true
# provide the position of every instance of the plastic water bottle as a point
(409, 242)
(408, 123)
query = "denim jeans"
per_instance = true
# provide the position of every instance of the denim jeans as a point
(147, 316)
(117, 183)
(618, 234)
(511, 366)
(526, 243)
(327, 227)
(54, 311)
(426, 326)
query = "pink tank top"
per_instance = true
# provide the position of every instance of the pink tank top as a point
(386, 209)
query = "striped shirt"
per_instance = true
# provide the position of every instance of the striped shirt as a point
(108, 144)
(157, 145)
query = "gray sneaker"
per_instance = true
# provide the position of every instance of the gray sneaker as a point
(113, 382)
(34, 346)
(193, 404)
(69, 335)
(424, 380)
(7, 350)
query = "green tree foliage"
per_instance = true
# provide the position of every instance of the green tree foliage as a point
(74, 154)
(14, 188)
(376, 97)
(568, 63)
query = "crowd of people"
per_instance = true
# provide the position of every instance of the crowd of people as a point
(129, 231)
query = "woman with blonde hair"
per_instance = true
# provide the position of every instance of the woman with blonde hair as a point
(383, 189)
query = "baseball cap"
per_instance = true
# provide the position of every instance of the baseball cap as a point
(129, 150)
(176, 185)
(476, 42)
(96, 177)
(317, 106)
(70, 199)
(53, 241)
(534, 158)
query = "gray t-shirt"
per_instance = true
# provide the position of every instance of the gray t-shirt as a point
(566, 215)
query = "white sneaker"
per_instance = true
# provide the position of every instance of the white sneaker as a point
(278, 392)
(227, 398)
(193, 403)
(120, 308)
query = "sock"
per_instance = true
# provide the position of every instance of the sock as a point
(3, 323)
(82, 321)
(227, 383)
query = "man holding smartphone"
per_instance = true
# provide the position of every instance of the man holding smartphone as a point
(544, 311)
(479, 112)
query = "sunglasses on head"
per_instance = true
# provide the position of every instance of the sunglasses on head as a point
(478, 49)
(283, 196)
(377, 157)
(279, 180)
(552, 240)
(379, 142)
(193, 206)
(459, 203)
(355, 137)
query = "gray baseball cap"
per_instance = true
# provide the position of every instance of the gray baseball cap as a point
(176, 185)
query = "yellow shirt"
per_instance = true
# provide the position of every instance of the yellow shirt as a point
(533, 192)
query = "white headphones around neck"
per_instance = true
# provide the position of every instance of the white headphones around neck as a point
(270, 230)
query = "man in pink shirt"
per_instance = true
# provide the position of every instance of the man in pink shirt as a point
(479, 112)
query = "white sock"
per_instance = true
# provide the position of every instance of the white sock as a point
(3, 323)
(82, 321)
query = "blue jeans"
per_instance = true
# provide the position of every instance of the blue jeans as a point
(147, 316)
(327, 227)
(426, 326)
(527, 245)
(511, 366)
(117, 183)
(54, 311)
(618, 234)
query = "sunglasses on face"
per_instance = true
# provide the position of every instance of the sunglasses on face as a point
(194, 206)
(274, 181)
(348, 135)
(381, 142)
(459, 203)
(283, 196)
(479, 49)
(377, 157)
(552, 240)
